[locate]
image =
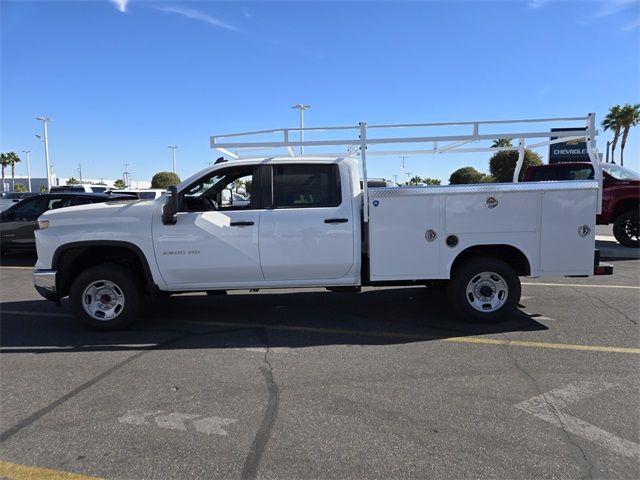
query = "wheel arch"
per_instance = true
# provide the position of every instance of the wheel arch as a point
(623, 206)
(72, 258)
(508, 253)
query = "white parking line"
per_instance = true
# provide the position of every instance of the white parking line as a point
(547, 407)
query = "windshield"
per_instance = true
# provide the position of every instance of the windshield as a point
(620, 173)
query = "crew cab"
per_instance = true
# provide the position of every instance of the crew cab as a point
(620, 194)
(309, 223)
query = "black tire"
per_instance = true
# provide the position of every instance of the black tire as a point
(625, 228)
(495, 290)
(102, 286)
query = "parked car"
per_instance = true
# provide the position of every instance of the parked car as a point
(9, 199)
(18, 222)
(620, 194)
(146, 194)
(79, 189)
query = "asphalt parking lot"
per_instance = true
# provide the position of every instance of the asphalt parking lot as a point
(309, 384)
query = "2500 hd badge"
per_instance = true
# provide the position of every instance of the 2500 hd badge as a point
(181, 252)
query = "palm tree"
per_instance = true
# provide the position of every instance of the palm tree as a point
(12, 159)
(501, 142)
(629, 117)
(4, 161)
(612, 122)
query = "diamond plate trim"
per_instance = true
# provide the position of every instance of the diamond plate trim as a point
(483, 188)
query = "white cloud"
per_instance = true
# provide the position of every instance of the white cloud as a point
(611, 7)
(121, 5)
(534, 4)
(631, 26)
(246, 12)
(198, 15)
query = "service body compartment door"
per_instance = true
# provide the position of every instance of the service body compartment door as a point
(401, 241)
(566, 245)
(308, 234)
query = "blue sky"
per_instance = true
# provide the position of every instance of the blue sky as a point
(125, 79)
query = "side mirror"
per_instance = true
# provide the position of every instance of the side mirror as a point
(171, 207)
(227, 197)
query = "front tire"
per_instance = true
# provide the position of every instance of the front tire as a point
(484, 289)
(106, 297)
(625, 229)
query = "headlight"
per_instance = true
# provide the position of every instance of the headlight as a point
(42, 224)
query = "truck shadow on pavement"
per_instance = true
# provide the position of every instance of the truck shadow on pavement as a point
(250, 320)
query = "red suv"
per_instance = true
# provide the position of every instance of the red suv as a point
(620, 194)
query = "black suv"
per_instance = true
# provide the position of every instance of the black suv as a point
(18, 222)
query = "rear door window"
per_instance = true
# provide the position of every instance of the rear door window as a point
(306, 186)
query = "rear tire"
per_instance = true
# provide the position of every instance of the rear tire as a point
(106, 297)
(625, 228)
(484, 289)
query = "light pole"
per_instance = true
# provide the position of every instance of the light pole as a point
(125, 175)
(302, 108)
(45, 121)
(26, 154)
(173, 151)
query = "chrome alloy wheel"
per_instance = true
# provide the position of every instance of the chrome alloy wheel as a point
(103, 300)
(487, 292)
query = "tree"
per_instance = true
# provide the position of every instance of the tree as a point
(466, 175)
(164, 180)
(119, 184)
(43, 189)
(431, 181)
(9, 160)
(4, 160)
(416, 180)
(73, 181)
(503, 164)
(20, 187)
(501, 142)
(629, 117)
(237, 184)
(247, 187)
(612, 122)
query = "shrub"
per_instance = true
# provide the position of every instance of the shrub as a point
(164, 180)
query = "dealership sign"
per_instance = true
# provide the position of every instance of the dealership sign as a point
(571, 151)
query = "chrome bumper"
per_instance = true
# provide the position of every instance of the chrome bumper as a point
(45, 283)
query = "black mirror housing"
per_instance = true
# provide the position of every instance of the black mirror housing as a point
(171, 207)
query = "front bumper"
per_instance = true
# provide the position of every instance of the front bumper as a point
(45, 283)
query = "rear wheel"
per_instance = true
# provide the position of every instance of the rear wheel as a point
(106, 297)
(625, 228)
(484, 290)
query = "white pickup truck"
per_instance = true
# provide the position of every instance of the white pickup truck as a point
(309, 224)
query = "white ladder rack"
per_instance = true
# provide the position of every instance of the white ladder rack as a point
(357, 139)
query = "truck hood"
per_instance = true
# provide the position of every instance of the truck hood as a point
(99, 213)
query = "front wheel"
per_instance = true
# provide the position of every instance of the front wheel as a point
(484, 290)
(625, 229)
(106, 297)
